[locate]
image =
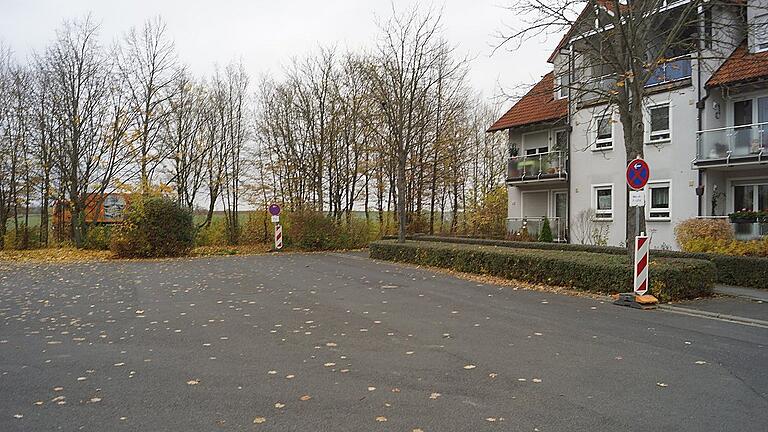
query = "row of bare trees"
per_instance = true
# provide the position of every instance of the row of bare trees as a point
(81, 119)
(396, 130)
(393, 131)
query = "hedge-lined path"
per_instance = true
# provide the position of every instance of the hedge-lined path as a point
(333, 342)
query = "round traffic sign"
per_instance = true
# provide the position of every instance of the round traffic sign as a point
(274, 209)
(638, 174)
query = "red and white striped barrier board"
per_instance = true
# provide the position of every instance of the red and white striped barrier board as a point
(278, 236)
(642, 244)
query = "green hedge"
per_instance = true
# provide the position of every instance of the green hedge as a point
(742, 271)
(671, 278)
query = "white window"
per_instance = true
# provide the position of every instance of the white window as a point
(602, 201)
(658, 203)
(659, 124)
(535, 151)
(603, 132)
(563, 83)
(760, 33)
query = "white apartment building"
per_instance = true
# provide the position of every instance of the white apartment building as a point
(706, 114)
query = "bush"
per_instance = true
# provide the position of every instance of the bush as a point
(693, 229)
(672, 279)
(213, 235)
(546, 232)
(489, 218)
(154, 226)
(313, 231)
(28, 238)
(98, 237)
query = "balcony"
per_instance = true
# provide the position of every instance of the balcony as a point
(675, 69)
(733, 145)
(550, 166)
(528, 228)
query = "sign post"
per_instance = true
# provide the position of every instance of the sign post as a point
(274, 210)
(638, 173)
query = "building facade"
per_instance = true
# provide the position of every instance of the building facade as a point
(706, 138)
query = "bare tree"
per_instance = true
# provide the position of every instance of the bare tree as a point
(409, 50)
(147, 65)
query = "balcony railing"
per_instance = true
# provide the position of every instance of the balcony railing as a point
(529, 228)
(542, 166)
(672, 70)
(733, 142)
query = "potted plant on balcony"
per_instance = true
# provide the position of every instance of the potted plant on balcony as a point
(748, 216)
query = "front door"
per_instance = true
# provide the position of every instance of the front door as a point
(561, 215)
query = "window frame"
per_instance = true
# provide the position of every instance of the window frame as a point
(599, 144)
(650, 210)
(760, 45)
(649, 124)
(603, 215)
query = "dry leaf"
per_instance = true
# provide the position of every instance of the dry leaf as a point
(193, 382)
(259, 420)
(305, 398)
(381, 419)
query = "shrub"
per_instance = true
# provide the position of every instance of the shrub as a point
(489, 218)
(28, 238)
(257, 229)
(153, 226)
(98, 237)
(692, 229)
(313, 231)
(546, 232)
(214, 234)
(673, 279)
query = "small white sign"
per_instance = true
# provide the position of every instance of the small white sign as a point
(275, 219)
(637, 198)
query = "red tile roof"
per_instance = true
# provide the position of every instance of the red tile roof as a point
(741, 66)
(538, 105)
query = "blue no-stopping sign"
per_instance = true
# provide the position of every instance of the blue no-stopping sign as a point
(638, 174)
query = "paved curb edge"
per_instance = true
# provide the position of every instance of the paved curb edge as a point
(716, 315)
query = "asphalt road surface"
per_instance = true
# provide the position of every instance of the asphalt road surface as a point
(334, 342)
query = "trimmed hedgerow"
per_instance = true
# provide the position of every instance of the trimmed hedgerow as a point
(672, 279)
(731, 270)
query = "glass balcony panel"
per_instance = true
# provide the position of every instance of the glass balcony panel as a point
(672, 70)
(733, 142)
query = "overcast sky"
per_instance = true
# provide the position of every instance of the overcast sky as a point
(265, 34)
